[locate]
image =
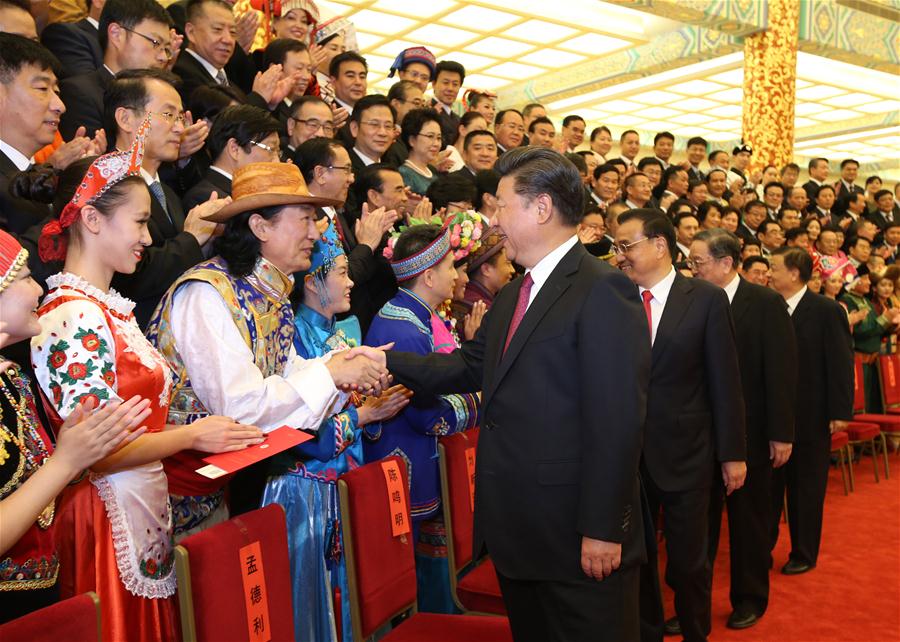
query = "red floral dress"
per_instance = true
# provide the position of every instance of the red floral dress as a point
(115, 529)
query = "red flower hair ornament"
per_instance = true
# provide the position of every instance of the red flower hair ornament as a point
(105, 172)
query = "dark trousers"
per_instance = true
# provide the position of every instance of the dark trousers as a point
(686, 530)
(805, 476)
(583, 610)
(749, 521)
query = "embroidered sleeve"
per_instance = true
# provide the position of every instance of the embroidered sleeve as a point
(335, 435)
(74, 356)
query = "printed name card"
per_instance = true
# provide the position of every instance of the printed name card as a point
(396, 495)
(255, 599)
(470, 475)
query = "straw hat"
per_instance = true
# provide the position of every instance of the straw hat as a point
(259, 185)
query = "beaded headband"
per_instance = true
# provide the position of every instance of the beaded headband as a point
(427, 257)
(105, 172)
(12, 258)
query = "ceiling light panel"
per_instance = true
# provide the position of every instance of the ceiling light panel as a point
(721, 137)
(695, 104)
(514, 70)
(620, 106)
(552, 58)
(733, 77)
(538, 31)
(658, 112)
(656, 97)
(850, 100)
(800, 122)
(415, 8)
(724, 124)
(480, 18)
(819, 92)
(470, 61)
(696, 87)
(624, 120)
(499, 47)
(613, 19)
(658, 125)
(836, 115)
(439, 34)
(809, 109)
(382, 23)
(594, 44)
(725, 111)
(691, 119)
(734, 95)
(881, 107)
(483, 81)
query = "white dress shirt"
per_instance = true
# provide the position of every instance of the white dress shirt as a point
(660, 293)
(18, 159)
(226, 379)
(346, 106)
(541, 272)
(365, 159)
(795, 300)
(731, 288)
(208, 66)
(684, 249)
(221, 171)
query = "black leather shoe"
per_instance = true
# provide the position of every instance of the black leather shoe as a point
(793, 567)
(672, 626)
(742, 619)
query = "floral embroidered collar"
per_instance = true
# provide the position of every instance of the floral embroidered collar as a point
(112, 299)
(271, 281)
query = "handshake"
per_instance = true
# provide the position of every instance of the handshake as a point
(362, 369)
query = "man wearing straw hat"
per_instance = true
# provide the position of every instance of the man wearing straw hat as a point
(226, 329)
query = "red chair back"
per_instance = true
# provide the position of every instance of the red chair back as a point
(381, 568)
(889, 371)
(859, 388)
(234, 578)
(457, 494)
(77, 618)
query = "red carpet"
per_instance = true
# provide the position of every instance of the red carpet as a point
(853, 595)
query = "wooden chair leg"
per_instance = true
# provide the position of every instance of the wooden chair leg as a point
(849, 452)
(874, 459)
(843, 464)
(884, 455)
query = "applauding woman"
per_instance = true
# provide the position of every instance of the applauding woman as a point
(32, 474)
(115, 527)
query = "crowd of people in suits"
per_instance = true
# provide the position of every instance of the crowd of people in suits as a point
(211, 228)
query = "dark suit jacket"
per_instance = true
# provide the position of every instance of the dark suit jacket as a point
(83, 98)
(465, 172)
(560, 440)
(449, 122)
(695, 409)
(767, 354)
(17, 214)
(878, 218)
(194, 75)
(811, 190)
(212, 181)
(745, 233)
(825, 354)
(396, 154)
(172, 252)
(76, 44)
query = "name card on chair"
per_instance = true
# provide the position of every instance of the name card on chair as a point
(396, 495)
(255, 599)
(470, 476)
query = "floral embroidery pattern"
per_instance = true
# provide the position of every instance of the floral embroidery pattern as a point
(94, 394)
(57, 358)
(78, 371)
(91, 341)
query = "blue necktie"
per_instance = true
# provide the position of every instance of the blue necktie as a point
(160, 196)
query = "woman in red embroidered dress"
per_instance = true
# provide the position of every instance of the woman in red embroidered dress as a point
(32, 474)
(115, 530)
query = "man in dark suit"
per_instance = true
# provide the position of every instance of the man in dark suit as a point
(754, 214)
(448, 81)
(479, 153)
(695, 416)
(325, 166)
(557, 494)
(129, 31)
(847, 183)
(177, 239)
(76, 44)
(767, 354)
(883, 214)
(818, 175)
(824, 402)
(240, 135)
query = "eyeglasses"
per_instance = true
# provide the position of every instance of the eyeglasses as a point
(312, 125)
(378, 124)
(169, 117)
(157, 45)
(697, 262)
(623, 248)
(432, 137)
(275, 151)
(417, 75)
(347, 169)
(514, 127)
(418, 103)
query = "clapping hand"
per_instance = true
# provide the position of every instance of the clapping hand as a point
(473, 319)
(385, 406)
(193, 137)
(77, 148)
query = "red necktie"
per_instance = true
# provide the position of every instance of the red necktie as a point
(521, 307)
(647, 296)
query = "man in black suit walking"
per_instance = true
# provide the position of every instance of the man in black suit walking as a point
(824, 400)
(557, 494)
(76, 44)
(695, 416)
(767, 354)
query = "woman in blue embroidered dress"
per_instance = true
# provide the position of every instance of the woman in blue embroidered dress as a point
(304, 481)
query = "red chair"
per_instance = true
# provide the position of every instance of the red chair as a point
(840, 444)
(889, 379)
(381, 569)
(77, 619)
(868, 428)
(217, 599)
(478, 590)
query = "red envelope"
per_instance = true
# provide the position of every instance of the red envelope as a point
(276, 441)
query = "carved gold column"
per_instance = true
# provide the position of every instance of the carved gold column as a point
(770, 85)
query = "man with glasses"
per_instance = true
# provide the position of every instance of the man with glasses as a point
(695, 417)
(325, 165)
(404, 96)
(509, 128)
(240, 135)
(372, 128)
(134, 34)
(767, 354)
(177, 240)
(415, 65)
(310, 117)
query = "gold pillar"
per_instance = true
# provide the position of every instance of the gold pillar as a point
(770, 86)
